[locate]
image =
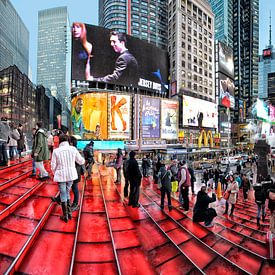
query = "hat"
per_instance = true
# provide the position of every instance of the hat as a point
(91, 142)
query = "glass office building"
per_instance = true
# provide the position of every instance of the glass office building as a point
(223, 10)
(53, 56)
(144, 19)
(14, 39)
(245, 51)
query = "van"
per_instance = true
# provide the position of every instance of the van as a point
(232, 160)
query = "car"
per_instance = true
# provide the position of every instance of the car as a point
(232, 160)
(205, 165)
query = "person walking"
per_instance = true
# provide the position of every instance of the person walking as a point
(184, 184)
(126, 178)
(232, 189)
(145, 166)
(260, 198)
(135, 177)
(12, 143)
(63, 166)
(20, 141)
(202, 212)
(166, 187)
(89, 157)
(40, 151)
(118, 165)
(246, 186)
(4, 135)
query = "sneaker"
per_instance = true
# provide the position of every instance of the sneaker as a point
(136, 206)
(74, 207)
(185, 212)
(209, 225)
(32, 175)
(181, 207)
(170, 208)
(44, 178)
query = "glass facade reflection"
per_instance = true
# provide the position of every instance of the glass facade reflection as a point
(14, 39)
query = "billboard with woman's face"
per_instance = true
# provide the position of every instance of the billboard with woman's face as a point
(150, 117)
(89, 116)
(99, 55)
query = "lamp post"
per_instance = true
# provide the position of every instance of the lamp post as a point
(228, 136)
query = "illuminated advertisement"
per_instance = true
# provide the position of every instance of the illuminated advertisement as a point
(272, 113)
(198, 112)
(226, 63)
(119, 115)
(261, 109)
(112, 57)
(227, 90)
(241, 110)
(89, 116)
(150, 117)
(169, 119)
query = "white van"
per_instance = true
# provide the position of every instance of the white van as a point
(232, 160)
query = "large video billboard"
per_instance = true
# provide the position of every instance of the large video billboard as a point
(89, 116)
(169, 119)
(99, 56)
(119, 116)
(227, 91)
(198, 112)
(226, 62)
(150, 117)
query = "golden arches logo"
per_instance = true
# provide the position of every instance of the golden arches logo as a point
(205, 138)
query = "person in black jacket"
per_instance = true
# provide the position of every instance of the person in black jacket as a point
(271, 206)
(145, 166)
(89, 157)
(260, 198)
(166, 187)
(134, 176)
(202, 213)
(124, 169)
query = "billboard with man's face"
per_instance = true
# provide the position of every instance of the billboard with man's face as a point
(99, 56)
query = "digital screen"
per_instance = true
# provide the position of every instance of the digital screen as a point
(198, 112)
(227, 91)
(262, 109)
(267, 52)
(102, 145)
(226, 63)
(150, 117)
(99, 56)
(169, 119)
(89, 116)
(272, 113)
(119, 116)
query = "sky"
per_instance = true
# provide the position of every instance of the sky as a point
(79, 10)
(87, 11)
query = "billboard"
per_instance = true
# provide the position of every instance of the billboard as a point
(150, 115)
(198, 112)
(272, 113)
(226, 91)
(169, 119)
(98, 55)
(89, 116)
(226, 63)
(261, 109)
(119, 116)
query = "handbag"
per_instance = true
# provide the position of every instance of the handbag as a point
(226, 195)
(160, 179)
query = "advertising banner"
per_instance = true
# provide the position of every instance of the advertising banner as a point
(226, 63)
(119, 116)
(241, 110)
(89, 116)
(261, 109)
(169, 119)
(112, 57)
(227, 91)
(150, 117)
(198, 112)
(272, 113)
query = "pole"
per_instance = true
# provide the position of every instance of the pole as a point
(228, 136)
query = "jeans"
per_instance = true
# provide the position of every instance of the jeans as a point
(134, 194)
(227, 206)
(126, 187)
(260, 207)
(33, 167)
(64, 188)
(118, 173)
(12, 152)
(40, 166)
(163, 192)
(185, 197)
(3, 152)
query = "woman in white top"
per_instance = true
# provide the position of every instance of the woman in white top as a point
(233, 189)
(63, 167)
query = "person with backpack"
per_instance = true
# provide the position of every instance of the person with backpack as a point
(126, 178)
(145, 166)
(184, 179)
(166, 187)
(174, 177)
(88, 153)
(193, 179)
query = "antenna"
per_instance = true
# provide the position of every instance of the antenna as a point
(270, 43)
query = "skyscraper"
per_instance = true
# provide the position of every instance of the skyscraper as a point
(223, 10)
(144, 19)
(14, 39)
(53, 55)
(246, 48)
(266, 66)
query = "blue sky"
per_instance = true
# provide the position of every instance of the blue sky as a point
(79, 10)
(87, 11)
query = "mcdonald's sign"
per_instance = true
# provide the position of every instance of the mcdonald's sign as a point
(205, 137)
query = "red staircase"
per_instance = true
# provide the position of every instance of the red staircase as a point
(106, 236)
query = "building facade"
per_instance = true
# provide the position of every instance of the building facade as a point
(53, 56)
(144, 19)
(14, 39)
(246, 48)
(223, 10)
